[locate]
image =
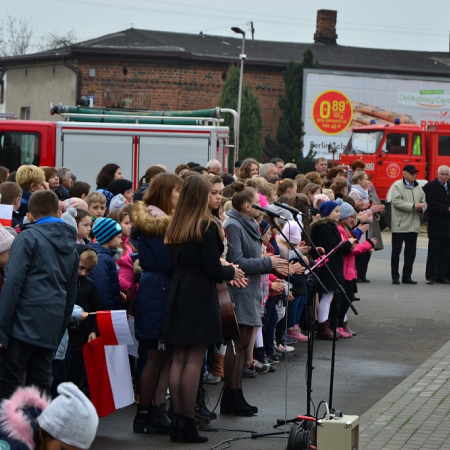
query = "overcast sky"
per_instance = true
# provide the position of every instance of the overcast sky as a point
(400, 24)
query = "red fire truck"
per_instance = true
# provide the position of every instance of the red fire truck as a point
(89, 138)
(386, 149)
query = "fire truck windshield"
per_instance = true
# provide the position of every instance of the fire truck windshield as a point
(364, 142)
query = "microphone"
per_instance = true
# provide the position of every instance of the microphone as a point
(269, 212)
(289, 208)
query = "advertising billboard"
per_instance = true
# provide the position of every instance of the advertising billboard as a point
(336, 102)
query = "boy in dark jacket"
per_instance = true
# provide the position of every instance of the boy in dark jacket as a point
(87, 330)
(108, 236)
(38, 295)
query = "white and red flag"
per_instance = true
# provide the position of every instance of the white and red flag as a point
(6, 212)
(109, 376)
(113, 327)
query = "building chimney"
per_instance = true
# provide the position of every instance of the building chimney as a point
(326, 27)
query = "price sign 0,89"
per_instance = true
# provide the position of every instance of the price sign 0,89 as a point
(332, 112)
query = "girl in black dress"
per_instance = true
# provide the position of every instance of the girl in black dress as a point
(192, 314)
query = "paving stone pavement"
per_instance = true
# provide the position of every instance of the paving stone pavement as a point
(415, 414)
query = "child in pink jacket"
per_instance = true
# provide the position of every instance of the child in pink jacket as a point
(345, 227)
(128, 287)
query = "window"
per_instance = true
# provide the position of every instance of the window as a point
(19, 148)
(396, 144)
(365, 143)
(444, 146)
(25, 113)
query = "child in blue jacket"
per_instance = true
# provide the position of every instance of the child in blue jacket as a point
(108, 237)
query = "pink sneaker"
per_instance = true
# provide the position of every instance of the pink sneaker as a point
(301, 337)
(344, 334)
(292, 334)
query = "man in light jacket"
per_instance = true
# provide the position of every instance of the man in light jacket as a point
(407, 204)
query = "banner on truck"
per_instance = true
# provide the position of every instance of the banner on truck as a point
(334, 103)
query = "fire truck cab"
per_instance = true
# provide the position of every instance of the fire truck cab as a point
(385, 150)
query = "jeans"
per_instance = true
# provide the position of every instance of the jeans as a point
(59, 373)
(295, 309)
(20, 358)
(269, 321)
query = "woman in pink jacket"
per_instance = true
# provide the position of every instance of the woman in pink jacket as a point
(345, 227)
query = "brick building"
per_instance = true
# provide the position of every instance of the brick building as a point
(174, 71)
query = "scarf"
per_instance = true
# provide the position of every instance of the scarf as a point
(363, 193)
(249, 225)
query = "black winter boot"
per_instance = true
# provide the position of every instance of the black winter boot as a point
(191, 433)
(200, 405)
(177, 428)
(241, 396)
(231, 403)
(159, 419)
(141, 422)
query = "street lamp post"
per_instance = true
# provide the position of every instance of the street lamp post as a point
(242, 57)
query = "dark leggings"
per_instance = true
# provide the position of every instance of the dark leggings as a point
(184, 377)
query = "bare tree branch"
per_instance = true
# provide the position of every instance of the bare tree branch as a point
(15, 36)
(55, 40)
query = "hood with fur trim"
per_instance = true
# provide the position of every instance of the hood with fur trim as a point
(150, 219)
(18, 413)
(321, 221)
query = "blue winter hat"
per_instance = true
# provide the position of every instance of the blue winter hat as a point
(105, 229)
(109, 196)
(327, 207)
(263, 227)
(347, 210)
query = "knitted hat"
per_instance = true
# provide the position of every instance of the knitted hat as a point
(318, 198)
(70, 417)
(293, 232)
(117, 203)
(75, 202)
(6, 239)
(105, 229)
(109, 196)
(326, 208)
(347, 210)
(263, 227)
(69, 218)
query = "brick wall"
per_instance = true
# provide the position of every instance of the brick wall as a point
(176, 87)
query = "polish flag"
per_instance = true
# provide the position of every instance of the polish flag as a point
(109, 376)
(113, 327)
(6, 212)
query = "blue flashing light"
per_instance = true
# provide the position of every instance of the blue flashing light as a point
(373, 122)
(397, 121)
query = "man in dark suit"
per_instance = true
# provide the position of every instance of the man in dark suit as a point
(438, 199)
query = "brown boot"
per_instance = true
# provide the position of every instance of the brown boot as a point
(217, 367)
(325, 333)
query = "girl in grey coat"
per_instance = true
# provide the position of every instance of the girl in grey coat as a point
(245, 250)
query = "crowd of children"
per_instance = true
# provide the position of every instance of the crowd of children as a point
(81, 251)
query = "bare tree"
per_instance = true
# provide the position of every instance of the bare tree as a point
(54, 40)
(15, 36)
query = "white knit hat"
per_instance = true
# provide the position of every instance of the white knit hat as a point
(69, 217)
(70, 417)
(117, 203)
(6, 239)
(293, 232)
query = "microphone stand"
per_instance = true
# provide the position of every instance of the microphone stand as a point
(341, 291)
(313, 278)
